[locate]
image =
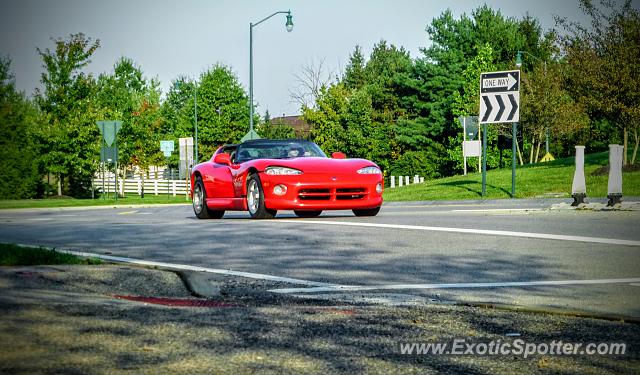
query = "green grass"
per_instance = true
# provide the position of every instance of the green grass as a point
(552, 179)
(71, 202)
(14, 255)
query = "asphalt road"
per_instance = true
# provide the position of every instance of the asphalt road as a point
(584, 261)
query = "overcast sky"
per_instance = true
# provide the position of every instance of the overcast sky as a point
(171, 38)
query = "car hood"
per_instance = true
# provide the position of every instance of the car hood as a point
(318, 165)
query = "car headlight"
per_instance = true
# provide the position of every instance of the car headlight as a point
(276, 171)
(369, 170)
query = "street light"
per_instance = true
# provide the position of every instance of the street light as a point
(289, 26)
(195, 113)
(544, 62)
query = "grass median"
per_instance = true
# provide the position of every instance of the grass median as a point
(541, 180)
(14, 255)
(73, 202)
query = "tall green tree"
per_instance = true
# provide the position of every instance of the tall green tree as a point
(354, 75)
(223, 114)
(127, 95)
(385, 69)
(18, 156)
(466, 102)
(604, 60)
(342, 120)
(69, 138)
(442, 82)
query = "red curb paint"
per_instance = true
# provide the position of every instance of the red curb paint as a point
(177, 302)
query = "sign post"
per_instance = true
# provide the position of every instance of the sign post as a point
(499, 103)
(470, 146)
(167, 148)
(109, 149)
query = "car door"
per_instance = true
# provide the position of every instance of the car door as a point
(219, 179)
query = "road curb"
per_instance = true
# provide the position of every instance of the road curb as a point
(84, 208)
(518, 201)
(200, 284)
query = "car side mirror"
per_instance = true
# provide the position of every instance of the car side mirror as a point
(222, 158)
(338, 155)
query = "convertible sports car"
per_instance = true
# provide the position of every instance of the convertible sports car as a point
(264, 176)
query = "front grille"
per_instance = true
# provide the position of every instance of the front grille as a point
(347, 194)
(331, 194)
(314, 194)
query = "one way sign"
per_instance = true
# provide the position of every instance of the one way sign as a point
(500, 97)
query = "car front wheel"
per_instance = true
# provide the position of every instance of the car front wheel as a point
(255, 199)
(367, 212)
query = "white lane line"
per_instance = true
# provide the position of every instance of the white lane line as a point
(498, 210)
(546, 236)
(359, 288)
(186, 267)
(127, 212)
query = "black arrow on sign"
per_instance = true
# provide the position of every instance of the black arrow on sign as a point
(489, 107)
(501, 105)
(514, 107)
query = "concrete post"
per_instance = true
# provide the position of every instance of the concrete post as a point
(393, 182)
(416, 179)
(614, 187)
(579, 186)
(421, 180)
(400, 181)
(406, 180)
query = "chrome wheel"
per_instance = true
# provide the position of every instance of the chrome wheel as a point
(253, 196)
(198, 199)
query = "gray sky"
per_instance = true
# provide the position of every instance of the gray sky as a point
(170, 38)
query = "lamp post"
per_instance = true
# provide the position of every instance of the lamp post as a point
(544, 62)
(195, 114)
(289, 26)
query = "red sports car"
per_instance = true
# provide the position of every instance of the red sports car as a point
(264, 176)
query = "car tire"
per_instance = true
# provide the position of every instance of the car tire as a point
(300, 213)
(199, 201)
(367, 212)
(255, 199)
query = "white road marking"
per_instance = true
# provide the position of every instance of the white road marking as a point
(320, 287)
(38, 219)
(546, 236)
(185, 267)
(360, 288)
(498, 209)
(127, 212)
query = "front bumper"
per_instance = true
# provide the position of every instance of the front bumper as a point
(322, 192)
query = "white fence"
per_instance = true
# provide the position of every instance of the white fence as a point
(404, 180)
(135, 186)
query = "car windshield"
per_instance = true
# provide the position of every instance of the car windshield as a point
(268, 149)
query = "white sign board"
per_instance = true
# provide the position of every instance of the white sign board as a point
(185, 149)
(166, 146)
(471, 149)
(500, 97)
